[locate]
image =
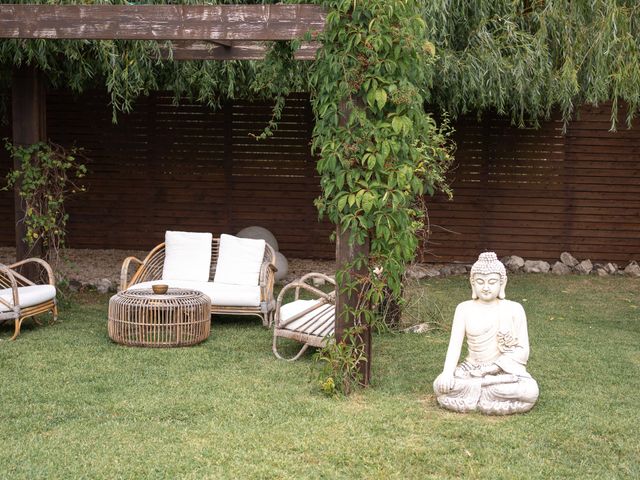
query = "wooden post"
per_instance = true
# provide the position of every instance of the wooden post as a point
(227, 111)
(346, 253)
(346, 302)
(28, 127)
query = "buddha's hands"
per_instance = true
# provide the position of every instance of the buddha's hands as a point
(486, 370)
(444, 383)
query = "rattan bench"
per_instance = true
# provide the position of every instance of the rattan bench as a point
(311, 322)
(150, 271)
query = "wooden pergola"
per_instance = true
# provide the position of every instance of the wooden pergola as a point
(187, 32)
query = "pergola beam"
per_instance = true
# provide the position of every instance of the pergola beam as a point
(161, 22)
(183, 50)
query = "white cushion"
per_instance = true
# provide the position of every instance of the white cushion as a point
(319, 321)
(226, 295)
(219, 294)
(28, 296)
(290, 309)
(239, 261)
(187, 256)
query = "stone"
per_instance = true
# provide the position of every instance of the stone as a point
(415, 272)
(458, 269)
(453, 269)
(419, 328)
(318, 282)
(601, 272)
(584, 267)
(611, 268)
(633, 269)
(493, 378)
(560, 268)
(432, 272)
(418, 272)
(568, 259)
(536, 266)
(75, 285)
(514, 263)
(104, 285)
(446, 270)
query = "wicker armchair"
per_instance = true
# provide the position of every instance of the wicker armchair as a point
(150, 270)
(21, 298)
(311, 322)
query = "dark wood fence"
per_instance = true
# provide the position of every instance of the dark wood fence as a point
(190, 168)
(537, 193)
(529, 192)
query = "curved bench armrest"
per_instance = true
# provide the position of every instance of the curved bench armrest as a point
(124, 271)
(51, 279)
(267, 274)
(148, 269)
(8, 279)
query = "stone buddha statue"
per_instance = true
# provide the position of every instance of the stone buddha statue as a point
(493, 378)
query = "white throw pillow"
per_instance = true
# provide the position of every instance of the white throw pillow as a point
(239, 261)
(187, 256)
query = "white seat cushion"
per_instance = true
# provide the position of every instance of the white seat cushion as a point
(239, 261)
(28, 296)
(187, 256)
(319, 321)
(226, 295)
(219, 294)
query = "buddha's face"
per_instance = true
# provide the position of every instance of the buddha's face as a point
(486, 286)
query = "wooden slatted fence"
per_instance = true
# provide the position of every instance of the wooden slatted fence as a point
(537, 193)
(191, 168)
(534, 193)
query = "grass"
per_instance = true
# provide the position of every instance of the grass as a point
(75, 405)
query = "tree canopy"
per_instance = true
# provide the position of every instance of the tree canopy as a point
(522, 58)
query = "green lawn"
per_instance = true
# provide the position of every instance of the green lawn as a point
(76, 405)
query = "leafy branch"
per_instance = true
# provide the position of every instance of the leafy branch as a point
(46, 176)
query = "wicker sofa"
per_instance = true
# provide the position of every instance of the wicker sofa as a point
(220, 276)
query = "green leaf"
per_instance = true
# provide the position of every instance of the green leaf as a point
(340, 180)
(371, 97)
(381, 98)
(368, 201)
(342, 202)
(396, 124)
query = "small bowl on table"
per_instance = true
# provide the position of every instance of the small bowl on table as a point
(160, 288)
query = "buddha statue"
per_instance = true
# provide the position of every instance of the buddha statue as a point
(493, 378)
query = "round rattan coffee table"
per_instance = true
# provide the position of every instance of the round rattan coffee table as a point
(177, 318)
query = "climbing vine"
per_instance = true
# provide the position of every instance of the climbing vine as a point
(47, 175)
(380, 151)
